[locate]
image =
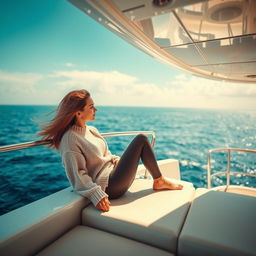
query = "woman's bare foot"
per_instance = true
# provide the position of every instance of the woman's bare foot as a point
(163, 184)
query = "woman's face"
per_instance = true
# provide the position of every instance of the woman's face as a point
(88, 113)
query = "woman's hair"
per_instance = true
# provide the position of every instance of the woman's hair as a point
(64, 118)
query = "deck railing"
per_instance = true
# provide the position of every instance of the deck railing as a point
(45, 142)
(228, 172)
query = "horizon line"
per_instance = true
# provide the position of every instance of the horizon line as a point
(133, 106)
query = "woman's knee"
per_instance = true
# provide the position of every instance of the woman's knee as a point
(142, 138)
(115, 193)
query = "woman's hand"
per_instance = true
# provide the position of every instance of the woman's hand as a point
(115, 161)
(103, 204)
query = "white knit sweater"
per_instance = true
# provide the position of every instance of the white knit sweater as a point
(87, 164)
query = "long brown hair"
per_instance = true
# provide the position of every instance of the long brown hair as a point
(64, 118)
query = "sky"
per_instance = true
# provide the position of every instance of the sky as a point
(48, 48)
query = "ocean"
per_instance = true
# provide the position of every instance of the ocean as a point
(184, 134)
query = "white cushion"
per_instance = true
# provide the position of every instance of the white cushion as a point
(219, 223)
(142, 214)
(83, 240)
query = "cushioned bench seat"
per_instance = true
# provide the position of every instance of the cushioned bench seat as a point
(84, 240)
(154, 218)
(219, 223)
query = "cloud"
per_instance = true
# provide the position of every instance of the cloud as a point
(116, 88)
(212, 88)
(69, 64)
(107, 83)
(27, 88)
(19, 78)
(78, 77)
(201, 92)
(18, 88)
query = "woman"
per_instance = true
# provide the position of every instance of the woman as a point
(90, 167)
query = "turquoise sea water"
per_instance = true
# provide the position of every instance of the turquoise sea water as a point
(184, 134)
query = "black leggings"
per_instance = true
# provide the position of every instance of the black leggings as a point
(124, 173)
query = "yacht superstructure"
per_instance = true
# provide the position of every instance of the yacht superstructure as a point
(214, 39)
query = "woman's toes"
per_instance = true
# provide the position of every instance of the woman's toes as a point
(163, 184)
(178, 186)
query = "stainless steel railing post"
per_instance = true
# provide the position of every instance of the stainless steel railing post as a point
(209, 185)
(228, 171)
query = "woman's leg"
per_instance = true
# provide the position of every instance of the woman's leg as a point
(123, 175)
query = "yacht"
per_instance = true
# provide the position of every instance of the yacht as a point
(215, 39)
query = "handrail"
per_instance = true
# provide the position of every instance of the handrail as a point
(227, 172)
(24, 145)
(46, 142)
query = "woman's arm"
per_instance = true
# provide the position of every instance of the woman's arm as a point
(77, 173)
(115, 158)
